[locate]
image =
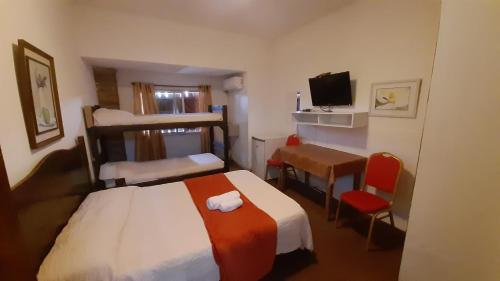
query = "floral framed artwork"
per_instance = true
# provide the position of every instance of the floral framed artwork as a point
(38, 93)
(395, 99)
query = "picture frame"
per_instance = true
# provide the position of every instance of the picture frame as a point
(395, 99)
(36, 77)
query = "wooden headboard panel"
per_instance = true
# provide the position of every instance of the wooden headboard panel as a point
(46, 199)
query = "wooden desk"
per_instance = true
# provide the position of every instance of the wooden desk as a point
(325, 163)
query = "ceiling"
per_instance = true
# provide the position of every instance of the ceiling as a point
(262, 18)
(158, 67)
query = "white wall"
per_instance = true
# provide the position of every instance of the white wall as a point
(48, 26)
(114, 35)
(454, 228)
(377, 41)
(177, 145)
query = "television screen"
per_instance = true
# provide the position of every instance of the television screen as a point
(331, 89)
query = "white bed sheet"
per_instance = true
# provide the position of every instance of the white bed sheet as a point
(113, 117)
(136, 172)
(156, 233)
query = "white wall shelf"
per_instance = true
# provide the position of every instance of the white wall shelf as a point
(337, 118)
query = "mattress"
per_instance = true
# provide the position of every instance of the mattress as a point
(136, 172)
(156, 233)
(113, 117)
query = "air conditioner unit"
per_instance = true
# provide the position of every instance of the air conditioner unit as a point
(234, 83)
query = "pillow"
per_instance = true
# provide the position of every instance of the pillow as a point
(108, 171)
(108, 117)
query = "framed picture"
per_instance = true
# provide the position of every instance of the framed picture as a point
(395, 99)
(37, 84)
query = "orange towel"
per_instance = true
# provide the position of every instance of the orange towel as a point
(244, 240)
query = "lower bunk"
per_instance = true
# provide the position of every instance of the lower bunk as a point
(146, 173)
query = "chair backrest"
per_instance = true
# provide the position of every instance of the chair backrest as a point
(293, 140)
(382, 171)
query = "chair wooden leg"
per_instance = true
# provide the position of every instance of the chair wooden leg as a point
(370, 230)
(337, 214)
(391, 218)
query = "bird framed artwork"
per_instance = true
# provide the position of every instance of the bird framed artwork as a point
(395, 99)
(39, 96)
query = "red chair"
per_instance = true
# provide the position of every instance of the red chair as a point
(382, 173)
(292, 140)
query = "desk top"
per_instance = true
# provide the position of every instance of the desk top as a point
(321, 161)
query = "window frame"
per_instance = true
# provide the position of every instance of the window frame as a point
(183, 91)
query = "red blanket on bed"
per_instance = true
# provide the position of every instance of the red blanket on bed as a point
(244, 240)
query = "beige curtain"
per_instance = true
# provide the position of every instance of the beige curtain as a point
(149, 144)
(204, 100)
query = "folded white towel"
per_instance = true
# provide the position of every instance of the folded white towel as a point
(230, 205)
(214, 202)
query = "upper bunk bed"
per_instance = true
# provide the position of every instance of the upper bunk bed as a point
(103, 125)
(102, 121)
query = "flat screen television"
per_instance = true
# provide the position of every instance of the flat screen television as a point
(331, 89)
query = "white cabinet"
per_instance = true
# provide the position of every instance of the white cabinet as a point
(263, 148)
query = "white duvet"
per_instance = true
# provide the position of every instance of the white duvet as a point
(156, 233)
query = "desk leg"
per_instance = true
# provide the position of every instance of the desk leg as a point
(328, 198)
(306, 178)
(282, 178)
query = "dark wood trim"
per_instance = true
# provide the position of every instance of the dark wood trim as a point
(112, 130)
(13, 264)
(106, 87)
(80, 144)
(95, 157)
(27, 190)
(227, 143)
(48, 196)
(211, 133)
(37, 208)
(26, 94)
(121, 181)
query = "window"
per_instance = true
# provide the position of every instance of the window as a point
(177, 101)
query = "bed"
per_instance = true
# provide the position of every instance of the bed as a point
(105, 128)
(141, 172)
(127, 233)
(156, 233)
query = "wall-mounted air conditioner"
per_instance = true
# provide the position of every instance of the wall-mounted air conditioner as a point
(232, 84)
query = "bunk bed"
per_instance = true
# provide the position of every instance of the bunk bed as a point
(105, 125)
